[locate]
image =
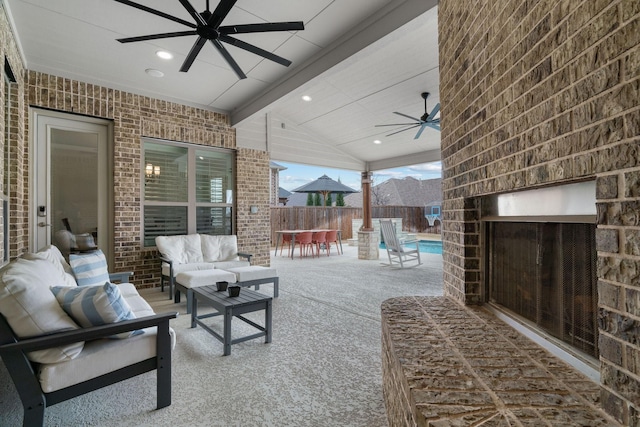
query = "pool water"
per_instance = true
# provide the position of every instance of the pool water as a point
(426, 246)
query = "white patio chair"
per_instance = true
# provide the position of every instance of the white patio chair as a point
(398, 254)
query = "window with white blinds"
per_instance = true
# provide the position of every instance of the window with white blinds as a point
(214, 192)
(187, 189)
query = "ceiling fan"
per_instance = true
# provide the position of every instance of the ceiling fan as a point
(426, 120)
(208, 28)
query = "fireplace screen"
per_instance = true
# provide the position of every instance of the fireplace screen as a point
(546, 273)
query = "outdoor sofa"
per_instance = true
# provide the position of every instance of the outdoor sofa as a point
(192, 252)
(59, 340)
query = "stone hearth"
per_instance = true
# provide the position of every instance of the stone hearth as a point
(445, 364)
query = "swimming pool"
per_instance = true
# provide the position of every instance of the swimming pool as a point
(426, 246)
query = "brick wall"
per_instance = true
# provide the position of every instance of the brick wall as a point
(254, 229)
(541, 93)
(134, 117)
(18, 144)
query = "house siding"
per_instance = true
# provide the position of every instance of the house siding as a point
(543, 93)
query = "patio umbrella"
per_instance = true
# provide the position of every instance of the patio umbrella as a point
(325, 186)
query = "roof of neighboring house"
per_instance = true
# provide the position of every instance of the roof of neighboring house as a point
(323, 184)
(274, 165)
(407, 191)
(282, 193)
(300, 199)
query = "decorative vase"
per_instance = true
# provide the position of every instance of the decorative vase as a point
(234, 291)
(222, 286)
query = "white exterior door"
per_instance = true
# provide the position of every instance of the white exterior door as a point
(70, 179)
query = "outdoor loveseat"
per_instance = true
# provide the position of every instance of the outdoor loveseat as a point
(48, 345)
(191, 252)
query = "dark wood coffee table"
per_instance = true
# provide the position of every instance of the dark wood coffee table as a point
(247, 302)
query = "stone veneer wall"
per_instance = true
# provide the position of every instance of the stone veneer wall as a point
(134, 117)
(274, 184)
(539, 93)
(368, 245)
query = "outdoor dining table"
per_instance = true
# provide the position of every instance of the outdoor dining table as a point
(293, 233)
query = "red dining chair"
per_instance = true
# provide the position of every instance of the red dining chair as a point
(304, 240)
(286, 239)
(332, 237)
(318, 239)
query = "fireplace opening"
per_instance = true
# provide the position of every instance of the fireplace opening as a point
(540, 264)
(546, 273)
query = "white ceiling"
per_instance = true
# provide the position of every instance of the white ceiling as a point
(359, 60)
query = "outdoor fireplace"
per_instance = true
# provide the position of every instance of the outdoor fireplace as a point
(540, 262)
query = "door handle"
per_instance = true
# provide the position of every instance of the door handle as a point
(43, 224)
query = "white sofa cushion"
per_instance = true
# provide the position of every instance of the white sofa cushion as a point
(103, 356)
(31, 309)
(219, 248)
(180, 268)
(138, 305)
(53, 255)
(225, 265)
(181, 249)
(192, 279)
(253, 272)
(100, 357)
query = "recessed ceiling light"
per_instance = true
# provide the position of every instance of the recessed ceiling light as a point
(377, 141)
(306, 98)
(164, 54)
(154, 73)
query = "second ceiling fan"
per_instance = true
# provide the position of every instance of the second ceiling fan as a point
(208, 28)
(426, 120)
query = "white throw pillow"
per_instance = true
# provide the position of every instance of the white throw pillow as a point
(53, 255)
(219, 248)
(31, 309)
(95, 305)
(90, 268)
(180, 249)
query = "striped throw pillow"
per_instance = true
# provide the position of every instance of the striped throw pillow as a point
(89, 268)
(95, 305)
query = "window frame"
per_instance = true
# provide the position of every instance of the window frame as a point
(191, 204)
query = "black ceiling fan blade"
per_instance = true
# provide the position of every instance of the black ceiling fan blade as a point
(157, 36)
(262, 28)
(195, 50)
(402, 130)
(157, 13)
(433, 112)
(398, 124)
(221, 12)
(409, 117)
(194, 14)
(254, 49)
(227, 56)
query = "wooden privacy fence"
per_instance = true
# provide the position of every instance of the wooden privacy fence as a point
(339, 218)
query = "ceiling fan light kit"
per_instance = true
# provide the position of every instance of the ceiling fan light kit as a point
(426, 120)
(208, 28)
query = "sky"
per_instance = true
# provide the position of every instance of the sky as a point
(297, 175)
